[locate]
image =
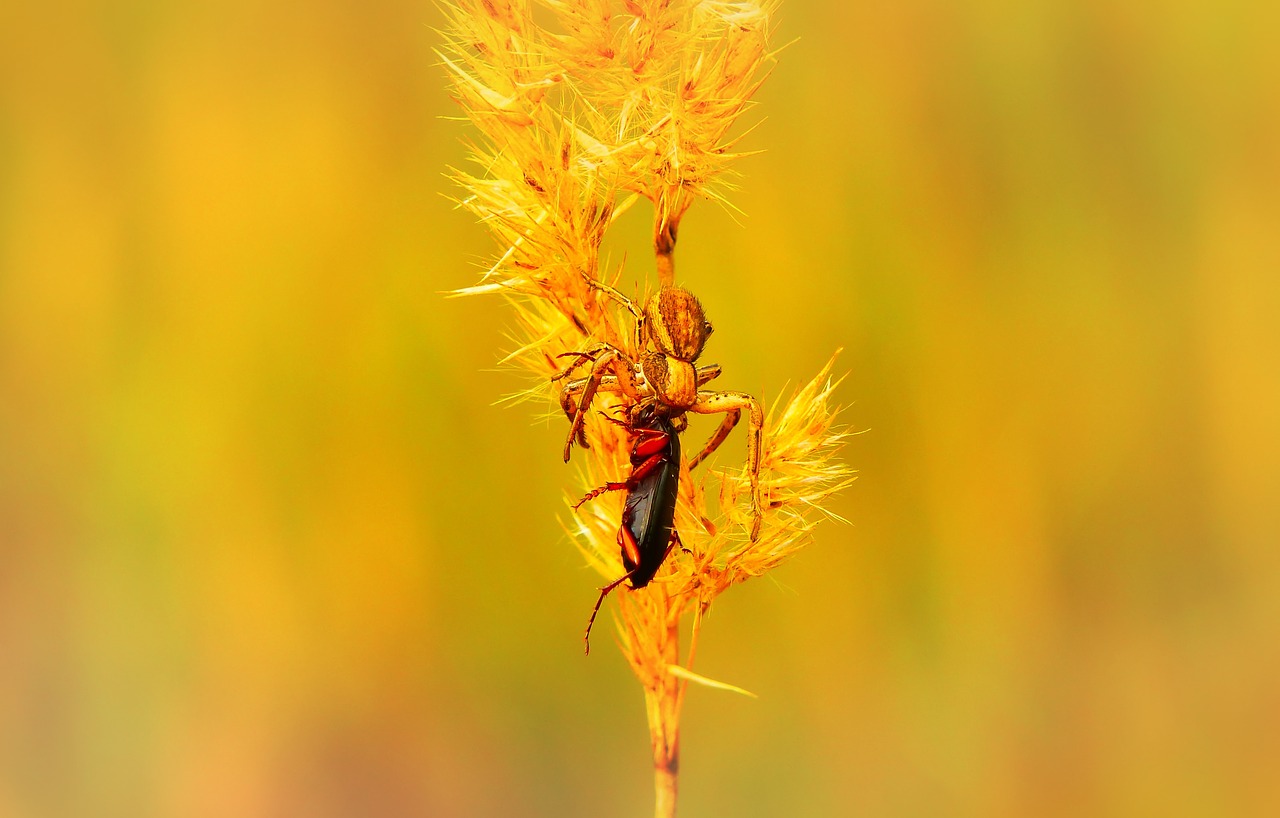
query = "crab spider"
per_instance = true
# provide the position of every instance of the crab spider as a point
(671, 331)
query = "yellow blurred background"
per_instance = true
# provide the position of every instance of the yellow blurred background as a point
(268, 549)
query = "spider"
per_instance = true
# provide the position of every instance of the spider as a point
(670, 333)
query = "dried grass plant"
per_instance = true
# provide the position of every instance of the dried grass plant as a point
(584, 108)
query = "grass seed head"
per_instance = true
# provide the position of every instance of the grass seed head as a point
(582, 108)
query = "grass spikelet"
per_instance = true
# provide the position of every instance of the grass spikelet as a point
(583, 108)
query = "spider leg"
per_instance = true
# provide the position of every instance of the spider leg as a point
(732, 403)
(572, 393)
(708, 373)
(592, 383)
(705, 374)
(592, 354)
(582, 358)
(597, 284)
(680, 421)
(722, 431)
(626, 302)
(577, 395)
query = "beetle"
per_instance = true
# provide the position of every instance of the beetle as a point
(647, 533)
(670, 334)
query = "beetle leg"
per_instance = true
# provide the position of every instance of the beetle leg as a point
(596, 492)
(604, 592)
(604, 382)
(637, 474)
(710, 403)
(675, 540)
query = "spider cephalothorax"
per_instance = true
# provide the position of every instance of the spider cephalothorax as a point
(671, 332)
(678, 330)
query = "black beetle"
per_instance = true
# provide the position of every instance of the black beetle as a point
(647, 533)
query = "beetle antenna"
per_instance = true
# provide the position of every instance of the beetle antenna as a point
(605, 414)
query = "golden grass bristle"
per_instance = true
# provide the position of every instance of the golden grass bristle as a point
(584, 107)
(608, 98)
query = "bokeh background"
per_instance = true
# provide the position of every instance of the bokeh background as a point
(267, 548)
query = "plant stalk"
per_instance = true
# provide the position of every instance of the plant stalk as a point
(664, 247)
(663, 705)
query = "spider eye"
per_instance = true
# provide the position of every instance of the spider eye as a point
(707, 329)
